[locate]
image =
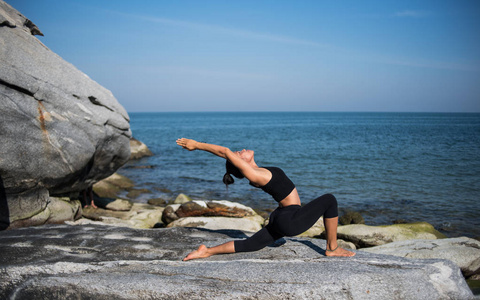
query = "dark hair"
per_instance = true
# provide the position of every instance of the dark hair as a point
(231, 169)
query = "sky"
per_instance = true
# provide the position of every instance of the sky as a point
(374, 56)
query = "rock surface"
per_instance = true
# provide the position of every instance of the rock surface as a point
(249, 224)
(102, 262)
(111, 186)
(214, 208)
(351, 217)
(139, 216)
(212, 214)
(182, 198)
(368, 236)
(138, 149)
(60, 130)
(463, 251)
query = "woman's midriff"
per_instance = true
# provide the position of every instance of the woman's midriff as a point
(291, 199)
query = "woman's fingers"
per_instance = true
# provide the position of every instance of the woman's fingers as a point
(184, 143)
(181, 142)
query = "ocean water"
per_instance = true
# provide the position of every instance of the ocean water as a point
(387, 166)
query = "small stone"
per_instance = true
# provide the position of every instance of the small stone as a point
(157, 201)
(169, 214)
(138, 149)
(351, 217)
(182, 198)
(135, 193)
(120, 205)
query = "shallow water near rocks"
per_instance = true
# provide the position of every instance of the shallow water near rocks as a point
(388, 166)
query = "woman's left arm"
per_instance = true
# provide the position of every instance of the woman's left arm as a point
(192, 145)
(251, 174)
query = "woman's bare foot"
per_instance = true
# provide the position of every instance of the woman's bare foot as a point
(201, 252)
(93, 205)
(339, 252)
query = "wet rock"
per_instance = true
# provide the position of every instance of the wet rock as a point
(138, 149)
(97, 262)
(351, 217)
(463, 251)
(135, 193)
(157, 201)
(369, 236)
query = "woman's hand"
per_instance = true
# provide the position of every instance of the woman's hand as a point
(188, 144)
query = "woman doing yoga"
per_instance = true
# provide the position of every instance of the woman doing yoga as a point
(289, 219)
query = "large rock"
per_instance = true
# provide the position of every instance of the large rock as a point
(56, 210)
(211, 208)
(139, 216)
(214, 208)
(368, 236)
(60, 130)
(463, 251)
(97, 262)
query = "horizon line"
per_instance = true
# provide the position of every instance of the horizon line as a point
(307, 111)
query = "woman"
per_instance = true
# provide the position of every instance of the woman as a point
(289, 219)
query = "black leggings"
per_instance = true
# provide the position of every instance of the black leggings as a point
(289, 221)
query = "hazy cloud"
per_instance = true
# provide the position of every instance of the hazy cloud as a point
(229, 31)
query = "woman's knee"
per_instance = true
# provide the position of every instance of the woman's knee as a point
(332, 206)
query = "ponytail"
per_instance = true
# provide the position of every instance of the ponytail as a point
(231, 169)
(228, 179)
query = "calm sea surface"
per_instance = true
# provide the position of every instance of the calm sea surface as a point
(387, 166)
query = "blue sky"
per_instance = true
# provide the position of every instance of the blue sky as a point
(412, 56)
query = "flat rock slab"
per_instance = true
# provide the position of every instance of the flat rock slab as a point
(103, 262)
(463, 251)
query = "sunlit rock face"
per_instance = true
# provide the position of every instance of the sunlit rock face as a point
(60, 131)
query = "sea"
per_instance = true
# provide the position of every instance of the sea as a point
(390, 167)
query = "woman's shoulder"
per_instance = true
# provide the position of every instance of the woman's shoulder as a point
(273, 170)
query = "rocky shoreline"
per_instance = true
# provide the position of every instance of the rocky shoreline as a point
(410, 240)
(63, 138)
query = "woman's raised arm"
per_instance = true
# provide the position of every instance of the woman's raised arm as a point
(247, 170)
(191, 145)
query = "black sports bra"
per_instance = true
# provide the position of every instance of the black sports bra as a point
(280, 186)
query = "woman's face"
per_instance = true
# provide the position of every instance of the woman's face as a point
(246, 155)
